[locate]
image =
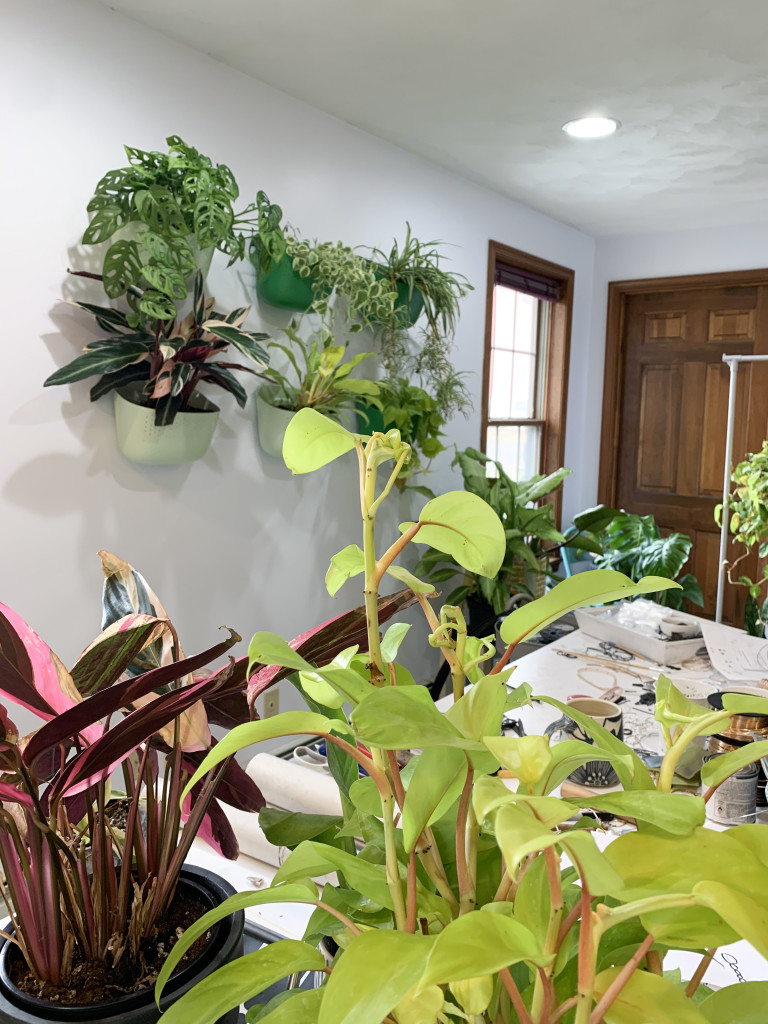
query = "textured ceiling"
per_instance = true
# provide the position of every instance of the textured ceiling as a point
(483, 86)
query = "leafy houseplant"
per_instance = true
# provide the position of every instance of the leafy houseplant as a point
(179, 203)
(633, 544)
(168, 358)
(748, 510)
(473, 899)
(413, 270)
(529, 530)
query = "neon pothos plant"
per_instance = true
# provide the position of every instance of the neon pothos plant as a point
(132, 704)
(478, 897)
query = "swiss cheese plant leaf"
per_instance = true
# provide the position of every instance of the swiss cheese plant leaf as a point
(744, 1003)
(372, 976)
(579, 591)
(312, 441)
(229, 986)
(346, 564)
(648, 997)
(479, 943)
(122, 268)
(465, 527)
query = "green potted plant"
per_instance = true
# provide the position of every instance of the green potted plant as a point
(748, 525)
(164, 215)
(423, 288)
(462, 897)
(317, 377)
(530, 533)
(155, 368)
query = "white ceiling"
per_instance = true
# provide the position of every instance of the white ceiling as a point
(483, 86)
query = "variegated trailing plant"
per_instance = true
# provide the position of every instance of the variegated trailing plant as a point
(78, 886)
(465, 895)
(169, 358)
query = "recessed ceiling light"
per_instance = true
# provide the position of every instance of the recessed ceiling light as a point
(591, 127)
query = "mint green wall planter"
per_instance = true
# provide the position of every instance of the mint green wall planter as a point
(185, 440)
(271, 421)
(281, 286)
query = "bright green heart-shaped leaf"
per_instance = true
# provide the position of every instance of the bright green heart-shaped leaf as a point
(365, 797)
(399, 718)
(390, 642)
(299, 1006)
(417, 586)
(746, 703)
(676, 813)
(437, 781)
(349, 562)
(518, 697)
(648, 998)
(311, 860)
(720, 768)
(638, 777)
(420, 1007)
(569, 755)
(319, 690)
(479, 711)
(672, 706)
(479, 943)
(372, 976)
(232, 984)
(271, 649)
(519, 832)
(527, 757)
(744, 1003)
(490, 793)
(579, 591)
(312, 441)
(299, 893)
(289, 828)
(746, 913)
(583, 851)
(465, 527)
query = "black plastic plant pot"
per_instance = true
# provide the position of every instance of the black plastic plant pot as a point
(225, 945)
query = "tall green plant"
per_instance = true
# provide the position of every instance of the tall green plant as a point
(473, 900)
(180, 203)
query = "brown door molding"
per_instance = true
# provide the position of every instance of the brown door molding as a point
(558, 353)
(618, 293)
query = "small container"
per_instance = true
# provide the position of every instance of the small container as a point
(735, 801)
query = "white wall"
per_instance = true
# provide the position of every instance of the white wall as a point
(231, 539)
(631, 257)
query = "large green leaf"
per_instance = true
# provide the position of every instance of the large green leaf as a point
(479, 943)
(479, 711)
(312, 440)
(579, 591)
(598, 874)
(437, 781)
(746, 913)
(648, 999)
(720, 768)
(312, 860)
(105, 359)
(372, 976)
(232, 984)
(676, 813)
(270, 649)
(122, 268)
(465, 527)
(527, 757)
(399, 718)
(305, 892)
(297, 1006)
(109, 217)
(289, 828)
(744, 1003)
(569, 755)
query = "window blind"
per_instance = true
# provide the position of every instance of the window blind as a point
(528, 282)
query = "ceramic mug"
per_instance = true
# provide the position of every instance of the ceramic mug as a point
(605, 713)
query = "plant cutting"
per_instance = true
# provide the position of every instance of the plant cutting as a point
(748, 524)
(467, 896)
(178, 204)
(423, 287)
(91, 874)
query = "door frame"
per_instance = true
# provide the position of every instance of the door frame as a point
(615, 354)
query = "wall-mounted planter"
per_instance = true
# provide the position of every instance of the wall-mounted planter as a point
(282, 286)
(370, 419)
(272, 421)
(185, 440)
(408, 308)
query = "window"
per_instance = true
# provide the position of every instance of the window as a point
(526, 360)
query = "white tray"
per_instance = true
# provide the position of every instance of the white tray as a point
(592, 621)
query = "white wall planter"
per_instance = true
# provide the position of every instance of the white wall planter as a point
(186, 439)
(271, 421)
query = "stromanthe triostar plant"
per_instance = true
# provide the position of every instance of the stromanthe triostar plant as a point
(463, 897)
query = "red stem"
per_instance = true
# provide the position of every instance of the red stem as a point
(514, 994)
(410, 917)
(613, 991)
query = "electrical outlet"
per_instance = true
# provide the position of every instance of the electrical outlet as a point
(271, 703)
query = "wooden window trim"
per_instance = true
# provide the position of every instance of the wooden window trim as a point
(558, 355)
(618, 294)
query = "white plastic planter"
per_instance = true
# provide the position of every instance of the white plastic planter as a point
(271, 421)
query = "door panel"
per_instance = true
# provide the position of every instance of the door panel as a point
(669, 449)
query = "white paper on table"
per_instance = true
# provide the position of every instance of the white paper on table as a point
(738, 656)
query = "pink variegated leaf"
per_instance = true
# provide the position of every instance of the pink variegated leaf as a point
(50, 689)
(9, 794)
(194, 732)
(104, 660)
(214, 829)
(9, 733)
(321, 644)
(113, 698)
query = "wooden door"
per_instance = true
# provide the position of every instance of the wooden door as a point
(664, 437)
